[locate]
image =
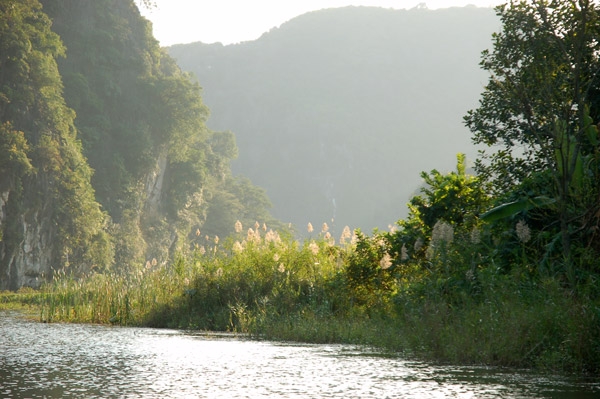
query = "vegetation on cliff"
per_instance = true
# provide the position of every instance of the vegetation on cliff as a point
(106, 158)
(49, 213)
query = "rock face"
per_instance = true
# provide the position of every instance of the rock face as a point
(38, 239)
(154, 184)
(31, 263)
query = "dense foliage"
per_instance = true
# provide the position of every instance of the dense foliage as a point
(128, 121)
(277, 288)
(541, 105)
(511, 249)
(44, 178)
(159, 171)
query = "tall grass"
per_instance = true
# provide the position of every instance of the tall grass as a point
(113, 298)
(25, 300)
(274, 288)
(237, 287)
(225, 287)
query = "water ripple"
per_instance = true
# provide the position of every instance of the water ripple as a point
(73, 361)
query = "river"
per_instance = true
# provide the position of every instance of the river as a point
(88, 361)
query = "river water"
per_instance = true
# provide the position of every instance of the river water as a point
(87, 361)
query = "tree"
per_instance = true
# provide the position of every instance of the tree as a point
(540, 102)
(456, 198)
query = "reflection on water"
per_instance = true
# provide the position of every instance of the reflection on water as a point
(67, 361)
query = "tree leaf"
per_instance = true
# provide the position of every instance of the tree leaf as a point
(512, 208)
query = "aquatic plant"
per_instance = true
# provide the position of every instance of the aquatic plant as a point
(268, 285)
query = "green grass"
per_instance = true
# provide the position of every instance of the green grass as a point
(285, 290)
(26, 300)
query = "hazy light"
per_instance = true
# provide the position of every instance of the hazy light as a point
(233, 21)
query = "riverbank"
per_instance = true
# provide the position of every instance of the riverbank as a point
(544, 335)
(304, 292)
(26, 301)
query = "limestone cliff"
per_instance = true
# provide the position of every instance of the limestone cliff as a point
(105, 158)
(47, 207)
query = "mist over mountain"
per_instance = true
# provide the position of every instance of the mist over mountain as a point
(332, 106)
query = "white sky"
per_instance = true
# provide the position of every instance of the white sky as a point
(233, 21)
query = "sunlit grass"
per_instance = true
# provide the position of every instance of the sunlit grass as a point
(279, 288)
(111, 298)
(222, 287)
(25, 300)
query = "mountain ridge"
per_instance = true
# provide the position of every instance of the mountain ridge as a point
(346, 95)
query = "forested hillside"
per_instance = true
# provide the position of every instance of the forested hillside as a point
(337, 111)
(105, 158)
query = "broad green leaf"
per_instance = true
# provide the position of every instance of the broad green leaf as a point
(512, 208)
(591, 130)
(577, 180)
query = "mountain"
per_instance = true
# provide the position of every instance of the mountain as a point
(337, 111)
(105, 158)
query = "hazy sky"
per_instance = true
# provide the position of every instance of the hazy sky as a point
(232, 21)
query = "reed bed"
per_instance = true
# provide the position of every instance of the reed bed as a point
(225, 286)
(277, 288)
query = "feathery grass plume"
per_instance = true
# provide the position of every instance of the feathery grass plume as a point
(202, 250)
(470, 275)
(276, 257)
(256, 225)
(329, 239)
(442, 232)
(237, 247)
(272, 236)
(354, 238)
(197, 232)
(281, 268)
(523, 231)
(310, 227)
(253, 235)
(324, 228)
(403, 253)
(393, 228)
(257, 237)
(314, 248)
(238, 226)
(386, 261)
(216, 240)
(154, 262)
(264, 227)
(475, 236)
(418, 244)
(346, 235)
